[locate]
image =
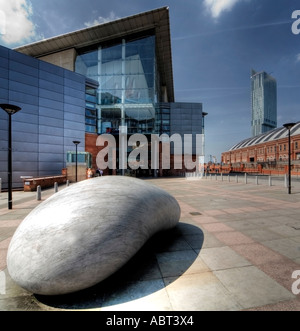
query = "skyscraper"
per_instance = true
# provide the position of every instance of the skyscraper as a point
(264, 102)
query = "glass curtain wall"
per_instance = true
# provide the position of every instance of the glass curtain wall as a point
(127, 77)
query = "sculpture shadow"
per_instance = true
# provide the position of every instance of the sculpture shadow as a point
(162, 260)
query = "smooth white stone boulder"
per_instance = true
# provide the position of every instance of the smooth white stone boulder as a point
(86, 232)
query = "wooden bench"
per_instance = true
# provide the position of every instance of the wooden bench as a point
(31, 184)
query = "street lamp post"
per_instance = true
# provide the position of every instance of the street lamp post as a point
(289, 126)
(76, 144)
(10, 110)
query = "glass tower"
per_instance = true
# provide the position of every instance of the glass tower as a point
(264, 103)
(128, 85)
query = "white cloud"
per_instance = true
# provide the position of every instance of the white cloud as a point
(16, 26)
(217, 7)
(298, 57)
(101, 20)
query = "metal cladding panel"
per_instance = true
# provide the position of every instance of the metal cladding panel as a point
(47, 67)
(51, 148)
(186, 118)
(16, 57)
(51, 86)
(52, 95)
(74, 109)
(50, 112)
(55, 140)
(51, 77)
(51, 104)
(28, 90)
(18, 127)
(23, 68)
(51, 130)
(52, 122)
(4, 52)
(51, 157)
(23, 78)
(70, 91)
(46, 94)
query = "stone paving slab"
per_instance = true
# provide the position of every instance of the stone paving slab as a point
(235, 248)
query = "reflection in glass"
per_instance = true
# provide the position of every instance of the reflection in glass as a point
(127, 77)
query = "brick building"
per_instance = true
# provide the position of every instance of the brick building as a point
(266, 153)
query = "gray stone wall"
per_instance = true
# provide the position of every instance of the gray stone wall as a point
(52, 116)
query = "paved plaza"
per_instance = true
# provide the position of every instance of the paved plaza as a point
(236, 248)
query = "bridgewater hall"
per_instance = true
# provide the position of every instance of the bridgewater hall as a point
(74, 88)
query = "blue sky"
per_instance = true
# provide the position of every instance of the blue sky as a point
(215, 44)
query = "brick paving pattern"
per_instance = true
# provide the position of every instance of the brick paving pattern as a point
(235, 248)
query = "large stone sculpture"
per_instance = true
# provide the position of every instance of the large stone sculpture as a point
(86, 232)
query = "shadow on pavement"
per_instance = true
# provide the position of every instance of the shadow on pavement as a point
(167, 254)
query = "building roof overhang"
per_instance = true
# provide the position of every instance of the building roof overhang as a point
(273, 135)
(157, 20)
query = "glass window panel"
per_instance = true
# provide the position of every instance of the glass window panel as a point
(134, 81)
(111, 120)
(90, 129)
(109, 98)
(91, 91)
(90, 113)
(86, 61)
(91, 98)
(113, 53)
(140, 120)
(90, 105)
(90, 121)
(112, 82)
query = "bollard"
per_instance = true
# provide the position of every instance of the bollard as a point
(39, 193)
(285, 180)
(68, 183)
(270, 181)
(55, 187)
(256, 179)
(246, 179)
(222, 177)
